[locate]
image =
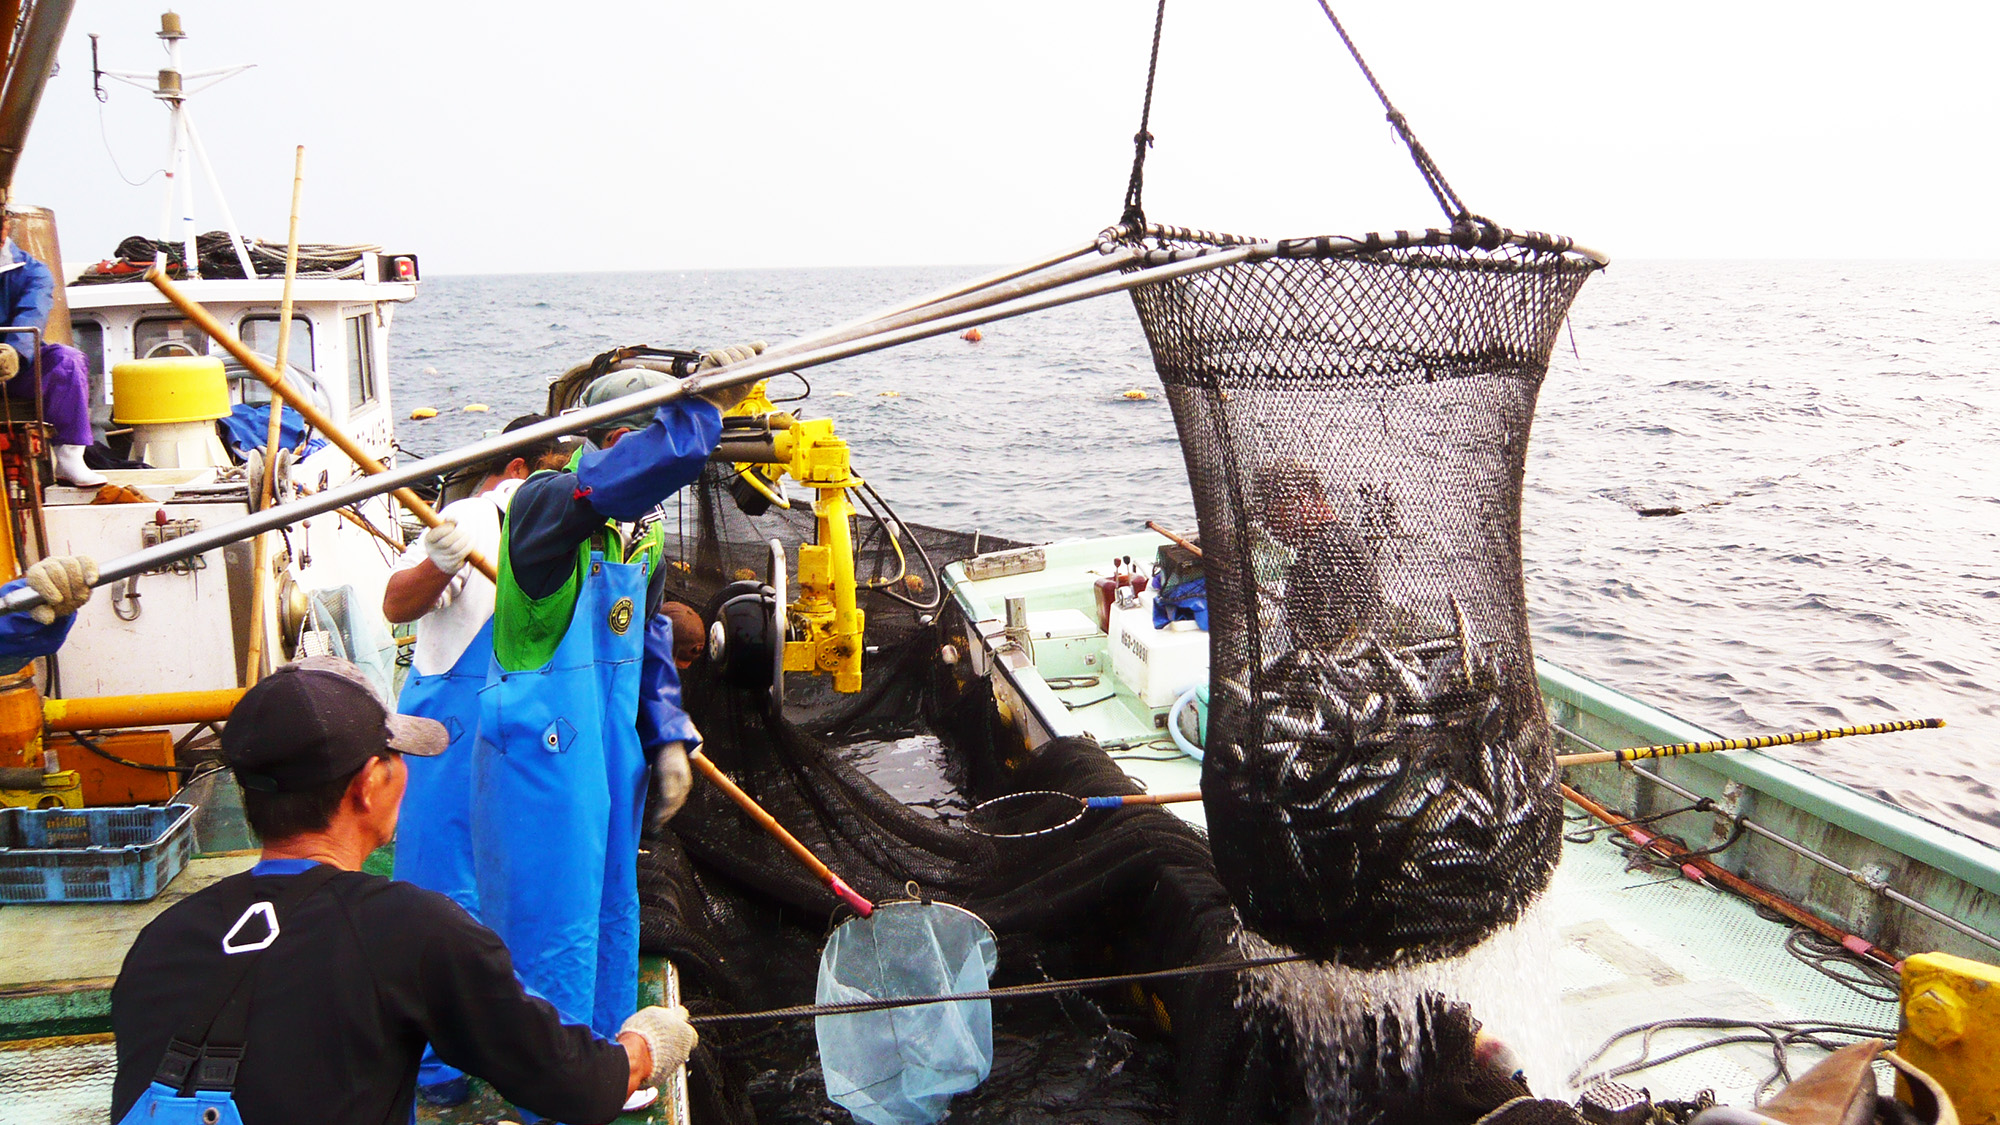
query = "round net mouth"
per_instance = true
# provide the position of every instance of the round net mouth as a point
(1020, 816)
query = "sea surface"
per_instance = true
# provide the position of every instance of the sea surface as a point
(1829, 432)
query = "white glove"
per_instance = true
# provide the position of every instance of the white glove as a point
(668, 1034)
(676, 777)
(448, 546)
(728, 397)
(10, 362)
(63, 582)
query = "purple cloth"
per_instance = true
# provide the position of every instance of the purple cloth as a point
(65, 391)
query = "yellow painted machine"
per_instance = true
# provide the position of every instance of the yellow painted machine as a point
(822, 629)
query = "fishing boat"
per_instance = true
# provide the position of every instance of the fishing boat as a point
(1068, 663)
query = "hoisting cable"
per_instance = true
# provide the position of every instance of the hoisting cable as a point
(1454, 208)
(1005, 992)
(1134, 217)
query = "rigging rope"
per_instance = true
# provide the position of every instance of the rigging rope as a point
(1134, 217)
(1006, 992)
(1454, 208)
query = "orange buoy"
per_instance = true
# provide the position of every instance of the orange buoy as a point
(972, 336)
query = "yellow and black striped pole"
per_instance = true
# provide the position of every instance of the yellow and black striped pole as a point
(1676, 749)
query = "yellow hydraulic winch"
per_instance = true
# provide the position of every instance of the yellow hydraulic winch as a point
(1951, 1030)
(824, 625)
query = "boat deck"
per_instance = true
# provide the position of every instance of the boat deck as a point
(1606, 948)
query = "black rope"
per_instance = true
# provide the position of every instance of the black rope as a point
(1454, 208)
(1008, 992)
(1134, 218)
(107, 755)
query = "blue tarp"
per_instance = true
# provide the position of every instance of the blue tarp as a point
(1185, 602)
(249, 427)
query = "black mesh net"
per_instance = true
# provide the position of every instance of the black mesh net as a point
(1379, 780)
(1125, 890)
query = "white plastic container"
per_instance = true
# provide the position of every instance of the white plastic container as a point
(1156, 665)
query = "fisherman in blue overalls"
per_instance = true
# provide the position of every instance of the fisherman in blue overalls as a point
(433, 585)
(63, 582)
(581, 691)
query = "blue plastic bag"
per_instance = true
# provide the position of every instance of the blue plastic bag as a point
(1185, 602)
(902, 1066)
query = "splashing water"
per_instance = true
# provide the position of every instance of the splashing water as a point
(1351, 1031)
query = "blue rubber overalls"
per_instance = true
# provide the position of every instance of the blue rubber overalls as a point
(434, 834)
(558, 793)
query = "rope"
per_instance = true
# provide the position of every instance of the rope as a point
(1008, 992)
(1134, 217)
(1454, 208)
(1780, 1035)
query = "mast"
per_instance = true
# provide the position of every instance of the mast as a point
(170, 86)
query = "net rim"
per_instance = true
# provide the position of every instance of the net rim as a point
(1160, 244)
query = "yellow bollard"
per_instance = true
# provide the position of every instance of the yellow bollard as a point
(1951, 1030)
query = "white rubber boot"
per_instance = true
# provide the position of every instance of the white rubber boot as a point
(70, 468)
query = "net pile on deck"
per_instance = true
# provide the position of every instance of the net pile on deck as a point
(1125, 890)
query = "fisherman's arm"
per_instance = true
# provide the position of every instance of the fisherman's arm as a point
(64, 582)
(429, 576)
(554, 513)
(482, 1020)
(35, 294)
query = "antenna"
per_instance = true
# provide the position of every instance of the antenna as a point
(169, 85)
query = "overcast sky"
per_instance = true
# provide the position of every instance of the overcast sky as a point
(498, 137)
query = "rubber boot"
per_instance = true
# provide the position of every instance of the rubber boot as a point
(70, 468)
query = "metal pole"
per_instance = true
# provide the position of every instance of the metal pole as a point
(40, 36)
(578, 421)
(221, 201)
(976, 284)
(986, 296)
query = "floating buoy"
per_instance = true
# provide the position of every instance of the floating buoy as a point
(1137, 395)
(430, 370)
(421, 413)
(476, 408)
(890, 394)
(843, 394)
(972, 335)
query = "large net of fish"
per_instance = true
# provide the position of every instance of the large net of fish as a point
(1124, 890)
(1379, 779)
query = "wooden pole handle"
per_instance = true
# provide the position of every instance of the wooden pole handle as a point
(314, 416)
(1676, 749)
(1176, 538)
(1142, 799)
(770, 824)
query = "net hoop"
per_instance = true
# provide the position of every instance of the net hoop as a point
(1022, 804)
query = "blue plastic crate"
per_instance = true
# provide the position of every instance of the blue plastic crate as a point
(93, 855)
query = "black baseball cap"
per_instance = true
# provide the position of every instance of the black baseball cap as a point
(315, 721)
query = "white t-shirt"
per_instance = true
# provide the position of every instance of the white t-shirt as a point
(467, 602)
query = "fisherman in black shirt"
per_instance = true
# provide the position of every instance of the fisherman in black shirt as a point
(352, 973)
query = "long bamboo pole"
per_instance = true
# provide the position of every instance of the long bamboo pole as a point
(314, 416)
(578, 421)
(1674, 750)
(260, 590)
(770, 824)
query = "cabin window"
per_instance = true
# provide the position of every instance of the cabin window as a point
(261, 334)
(164, 336)
(89, 336)
(360, 362)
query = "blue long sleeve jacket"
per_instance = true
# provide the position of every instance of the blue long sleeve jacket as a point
(22, 638)
(661, 719)
(27, 292)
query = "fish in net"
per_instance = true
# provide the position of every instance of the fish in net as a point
(1379, 777)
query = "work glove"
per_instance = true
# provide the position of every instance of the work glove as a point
(63, 582)
(10, 362)
(448, 546)
(668, 1033)
(727, 397)
(674, 777)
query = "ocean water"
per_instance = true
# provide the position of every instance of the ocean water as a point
(1830, 432)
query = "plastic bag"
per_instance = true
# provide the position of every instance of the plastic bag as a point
(902, 1066)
